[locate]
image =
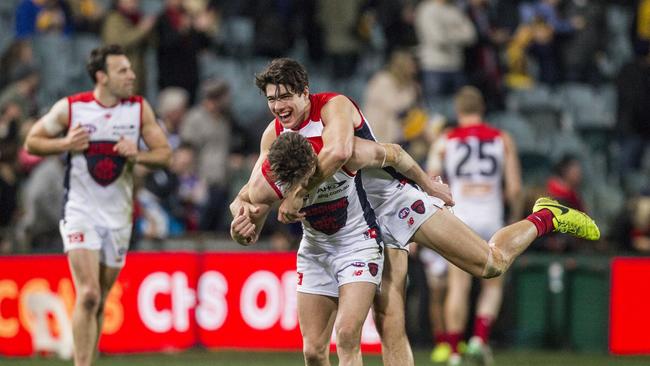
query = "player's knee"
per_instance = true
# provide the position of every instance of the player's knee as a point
(348, 337)
(315, 354)
(496, 264)
(89, 298)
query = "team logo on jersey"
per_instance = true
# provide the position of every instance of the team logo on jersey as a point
(358, 264)
(373, 268)
(104, 164)
(300, 278)
(76, 238)
(370, 234)
(327, 217)
(357, 273)
(411, 221)
(418, 206)
(403, 213)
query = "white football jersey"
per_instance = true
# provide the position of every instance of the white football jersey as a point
(473, 165)
(98, 181)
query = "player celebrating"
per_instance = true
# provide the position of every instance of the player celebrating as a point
(405, 212)
(102, 128)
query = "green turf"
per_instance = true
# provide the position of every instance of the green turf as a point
(230, 358)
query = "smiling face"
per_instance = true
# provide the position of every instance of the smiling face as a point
(290, 108)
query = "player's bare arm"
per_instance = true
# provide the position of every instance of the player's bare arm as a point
(44, 137)
(339, 117)
(246, 226)
(159, 154)
(370, 154)
(241, 199)
(512, 178)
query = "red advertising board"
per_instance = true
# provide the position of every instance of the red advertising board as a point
(630, 306)
(161, 301)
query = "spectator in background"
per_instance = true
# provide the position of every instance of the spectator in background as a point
(172, 107)
(582, 51)
(393, 105)
(641, 28)
(19, 53)
(632, 124)
(126, 26)
(181, 37)
(339, 20)
(9, 142)
(482, 64)
(38, 228)
(633, 227)
(564, 184)
(547, 28)
(87, 15)
(396, 18)
(22, 91)
(443, 32)
(42, 16)
(390, 93)
(191, 193)
(275, 25)
(207, 128)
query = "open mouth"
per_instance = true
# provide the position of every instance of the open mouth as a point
(284, 116)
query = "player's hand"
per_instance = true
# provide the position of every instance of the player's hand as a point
(249, 208)
(77, 139)
(289, 210)
(126, 148)
(442, 191)
(242, 228)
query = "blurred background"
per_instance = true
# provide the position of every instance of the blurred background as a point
(568, 79)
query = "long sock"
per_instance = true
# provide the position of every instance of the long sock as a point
(440, 337)
(543, 221)
(454, 339)
(482, 327)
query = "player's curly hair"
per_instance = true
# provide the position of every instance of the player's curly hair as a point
(292, 158)
(283, 71)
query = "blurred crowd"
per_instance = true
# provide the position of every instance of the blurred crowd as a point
(401, 60)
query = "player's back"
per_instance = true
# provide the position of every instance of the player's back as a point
(473, 166)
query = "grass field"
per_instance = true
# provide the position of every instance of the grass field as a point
(230, 358)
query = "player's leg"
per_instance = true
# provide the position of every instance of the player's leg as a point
(457, 306)
(107, 277)
(436, 270)
(112, 258)
(389, 308)
(84, 266)
(316, 315)
(487, 310)
(446, 234)
(355, 299)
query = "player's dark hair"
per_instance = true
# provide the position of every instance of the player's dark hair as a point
(283, 71)
(97, 59)
(292, 158)
(469, 100)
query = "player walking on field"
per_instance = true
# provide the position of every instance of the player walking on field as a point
(99, 130)
(481, 166)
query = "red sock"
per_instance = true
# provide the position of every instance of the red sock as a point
(482, 327)
(543, 221)
(440, 337)
(454, 339)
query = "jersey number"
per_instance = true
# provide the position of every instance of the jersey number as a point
(483, 155)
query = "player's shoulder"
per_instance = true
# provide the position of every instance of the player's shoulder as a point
(81, 97)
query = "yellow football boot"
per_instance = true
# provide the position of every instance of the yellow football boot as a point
(568, 220)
